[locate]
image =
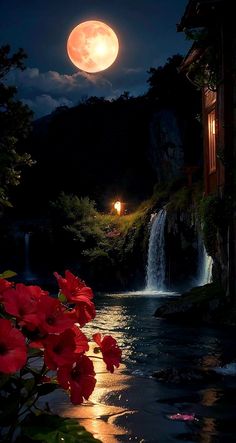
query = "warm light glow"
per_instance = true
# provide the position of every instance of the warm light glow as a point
(213, 126)
(211, 142)
(92, 46)
(117, 206)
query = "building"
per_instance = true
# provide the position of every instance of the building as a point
(211, 64)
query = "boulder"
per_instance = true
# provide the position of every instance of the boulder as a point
(200, 304)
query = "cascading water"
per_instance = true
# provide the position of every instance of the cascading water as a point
(27, 272)
(205, 264)
(155, 275)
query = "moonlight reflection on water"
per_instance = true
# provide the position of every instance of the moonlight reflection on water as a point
(131, 405)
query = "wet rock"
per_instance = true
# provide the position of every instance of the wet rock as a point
(201, 304)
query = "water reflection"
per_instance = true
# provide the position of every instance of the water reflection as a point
(211, 396)
(131, 405)
(208, 430)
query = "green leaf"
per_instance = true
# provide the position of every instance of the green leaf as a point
(4, 379)
(28, 384)
(34, 352)
(54, 429)
(8, 274)
(46, 388)
(62, 297)
(30, 370)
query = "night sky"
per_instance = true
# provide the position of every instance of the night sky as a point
(147, 35)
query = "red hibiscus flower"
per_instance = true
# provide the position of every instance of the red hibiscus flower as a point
(59, 349)
(4, 284)
(53, 316)
(22, 303)
(13, 354)
(36, 293)
(81, 340)
(84, 310)
(78, 378)
(110, 351)
(72, 287)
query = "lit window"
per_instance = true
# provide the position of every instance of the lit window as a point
(212, 141)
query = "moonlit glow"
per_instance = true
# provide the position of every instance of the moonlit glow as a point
(92, 46)
(117, 207)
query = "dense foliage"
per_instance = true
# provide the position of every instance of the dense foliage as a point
(103, 243)
(203, 71)
(169, 87)
(15, 120)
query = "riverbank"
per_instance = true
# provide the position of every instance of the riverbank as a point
(124, 408)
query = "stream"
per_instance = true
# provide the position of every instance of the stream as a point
(131, 405)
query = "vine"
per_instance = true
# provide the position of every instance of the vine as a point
(203, 71)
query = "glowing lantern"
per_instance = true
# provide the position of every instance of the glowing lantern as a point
(117, 206)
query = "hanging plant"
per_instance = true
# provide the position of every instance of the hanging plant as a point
(203, 70)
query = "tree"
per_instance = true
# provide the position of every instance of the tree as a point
(15, 119)
(169, 87)
(75, 220)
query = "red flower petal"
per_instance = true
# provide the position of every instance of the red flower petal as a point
(53, 317)
(22, 303)
(72, 287)
(13, 353)
(59, 349)
(81, 340)
(4, 284)
(110, 351)
(78, 378)
(84, 311)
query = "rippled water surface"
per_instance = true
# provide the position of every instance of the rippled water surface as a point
(132, 405)
(150, 344)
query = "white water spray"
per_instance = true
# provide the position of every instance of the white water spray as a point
(155, 275)
(205, 264)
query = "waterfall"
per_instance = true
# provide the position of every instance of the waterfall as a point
(27, 271)
(205, 263)
(155, 275)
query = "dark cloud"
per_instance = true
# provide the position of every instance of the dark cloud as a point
(45, 91)
(44, 104)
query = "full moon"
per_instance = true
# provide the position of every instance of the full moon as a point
(92, 46)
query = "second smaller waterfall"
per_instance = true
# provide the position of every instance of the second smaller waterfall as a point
(205, 264)
(28, 275)
(155, 276)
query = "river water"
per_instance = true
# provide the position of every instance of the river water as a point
(131, 405)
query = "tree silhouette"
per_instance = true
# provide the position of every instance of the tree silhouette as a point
(169, 87)
(15, 118)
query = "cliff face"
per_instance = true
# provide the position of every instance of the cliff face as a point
(166, 146)
(97, 149)
(215, 216)
(182, 252)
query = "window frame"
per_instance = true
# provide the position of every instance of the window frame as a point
(211, 138)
